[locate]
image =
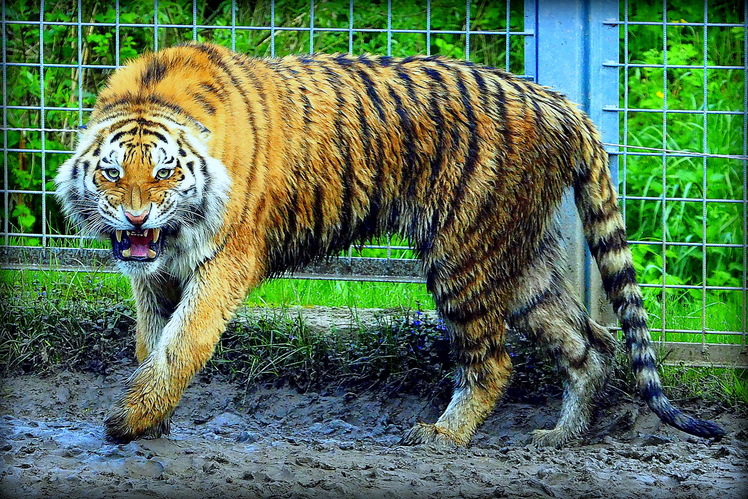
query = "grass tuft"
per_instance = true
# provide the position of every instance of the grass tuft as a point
(80, 321)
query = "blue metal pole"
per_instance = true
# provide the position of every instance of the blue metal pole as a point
(573, 40)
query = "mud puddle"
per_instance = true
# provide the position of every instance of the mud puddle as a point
(228, 441)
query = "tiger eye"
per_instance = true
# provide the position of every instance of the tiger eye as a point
(164, 173)
(111, 174)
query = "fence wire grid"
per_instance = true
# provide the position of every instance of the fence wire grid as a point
(674, 120)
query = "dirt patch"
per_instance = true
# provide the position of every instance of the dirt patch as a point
(331, 428)
(230, 440)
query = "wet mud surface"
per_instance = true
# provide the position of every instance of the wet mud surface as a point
(230, 440)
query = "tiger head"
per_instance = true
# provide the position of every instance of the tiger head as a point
(148, 184)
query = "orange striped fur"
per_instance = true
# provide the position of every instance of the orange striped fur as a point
(211, 171)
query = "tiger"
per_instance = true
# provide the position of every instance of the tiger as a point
(211, 171)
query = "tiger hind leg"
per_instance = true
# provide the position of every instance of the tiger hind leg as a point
(483, 371)
(545, 309)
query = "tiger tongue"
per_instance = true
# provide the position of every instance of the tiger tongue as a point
(139, 245)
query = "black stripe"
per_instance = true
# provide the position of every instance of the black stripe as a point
(503, 124)
(366, 61)
(593, 215)
(347, 176)
(551, 289)
(371, 91)
(217, 90)
(433, 74)
(613, 283)
(539, 116)
(466, 312)
(343, 60)
(319, 213)
(652, 390)
(435, 112)
(643, 363)
(613, 241)
(408, 141)
(190, 165)
(74, 170)
(119, 135)
(307, 109)
(155, 71)
(471, 157)
(409, 86)
(636, 323)
(157, 100)
(373, 162)
(385, 61)
(159, 136)
(478, 77)
(378, 155)
(436, 103)
(204, 170)
(627, 301)
(142, 122)
(641, 343)
(203, 102)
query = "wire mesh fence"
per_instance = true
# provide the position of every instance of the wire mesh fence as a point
(682, 164)
(680, 88)
(56, 55)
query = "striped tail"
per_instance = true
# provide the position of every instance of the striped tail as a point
(605, 232)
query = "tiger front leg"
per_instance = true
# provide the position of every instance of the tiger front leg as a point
(184, 346)
(156, 299)
(483, 372)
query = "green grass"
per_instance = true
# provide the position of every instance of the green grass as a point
(723, 310)
(711, 384)
(276, 293)
(85, 320)
(351, 294)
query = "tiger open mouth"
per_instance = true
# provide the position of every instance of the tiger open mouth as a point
(140, 246)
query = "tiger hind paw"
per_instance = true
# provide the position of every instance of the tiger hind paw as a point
(432, 435)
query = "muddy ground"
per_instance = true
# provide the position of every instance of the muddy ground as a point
(228, 441)
(270, 440)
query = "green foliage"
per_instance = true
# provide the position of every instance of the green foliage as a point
(694, 89)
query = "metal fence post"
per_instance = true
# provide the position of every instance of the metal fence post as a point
(572, 41)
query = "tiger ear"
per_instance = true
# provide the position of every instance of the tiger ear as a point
(204, 132)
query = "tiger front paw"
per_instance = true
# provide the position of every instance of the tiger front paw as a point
(431, 434)
(144, 409)
(122, 427)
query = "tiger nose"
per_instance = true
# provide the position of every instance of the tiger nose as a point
(137, 220)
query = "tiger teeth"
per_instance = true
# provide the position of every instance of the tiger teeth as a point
(118, 234)
(127, 253)
(151, 253)
(156, 234)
